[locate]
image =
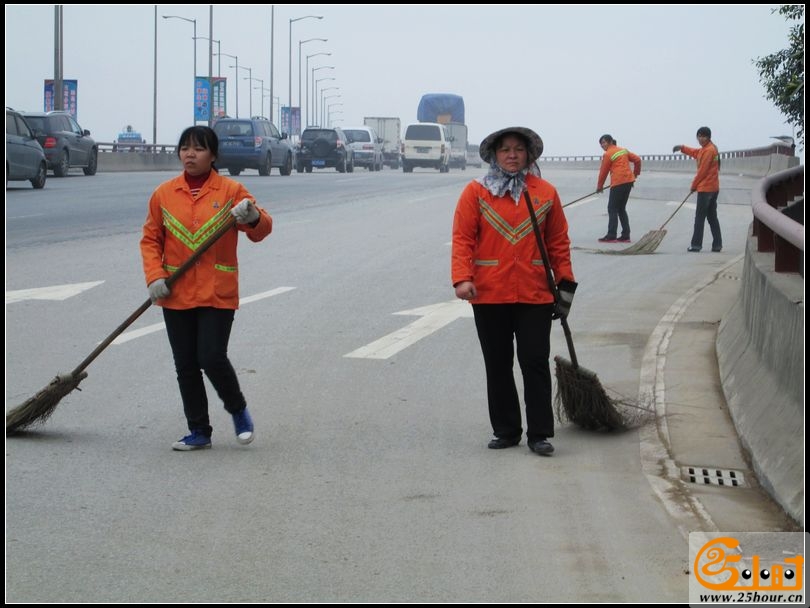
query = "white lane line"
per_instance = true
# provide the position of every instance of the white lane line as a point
(433, 318)
(150, 329)
(54, 292)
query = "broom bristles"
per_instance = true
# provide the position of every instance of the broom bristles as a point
(646, 244)
(38, 408)
(581, 399)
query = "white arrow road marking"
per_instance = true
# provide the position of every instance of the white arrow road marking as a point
(434, 317)
(150, 329)
(55, 292)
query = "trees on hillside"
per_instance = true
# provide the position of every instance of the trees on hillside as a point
(782, 73)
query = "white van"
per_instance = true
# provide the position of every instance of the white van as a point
(426, 144)
(367, 147)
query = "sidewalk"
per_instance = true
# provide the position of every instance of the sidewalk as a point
(693, 458)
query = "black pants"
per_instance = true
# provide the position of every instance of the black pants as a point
(499, 327)
(617, 209)
(706, 210)
(199, 340)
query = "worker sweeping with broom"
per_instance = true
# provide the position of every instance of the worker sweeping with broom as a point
(199, 307)
(497, 267)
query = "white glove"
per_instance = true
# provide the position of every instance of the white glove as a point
(245, 212)
(158, 290)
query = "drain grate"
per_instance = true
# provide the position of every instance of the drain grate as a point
(714, 477)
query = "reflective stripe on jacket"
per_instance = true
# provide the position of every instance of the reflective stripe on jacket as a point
(617, 161)
(177, 224)
(707, 178)
(494, 244)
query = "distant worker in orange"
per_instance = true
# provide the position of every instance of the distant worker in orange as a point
(707, 185)
(616, 161)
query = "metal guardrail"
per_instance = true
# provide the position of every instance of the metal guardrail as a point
(109, 147)
(775, 148)
(779, 218)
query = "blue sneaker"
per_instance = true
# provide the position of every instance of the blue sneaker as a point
(243, 425)
(195, 441)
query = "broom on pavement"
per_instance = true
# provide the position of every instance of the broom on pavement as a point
(39, 407)
(580, 394)
(650, 241)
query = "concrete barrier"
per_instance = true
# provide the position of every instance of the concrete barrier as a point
(760, 351)
(138, 161)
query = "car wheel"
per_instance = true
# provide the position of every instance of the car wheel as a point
(266, 166)
(92, 166)
(39, 181)
(287, 168)
(341, 165)
(350, 167)
(233, 171)
(299, 167)
(308, 168)
(62, 166)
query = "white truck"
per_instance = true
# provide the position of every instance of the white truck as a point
(458, 144)
(388, 129)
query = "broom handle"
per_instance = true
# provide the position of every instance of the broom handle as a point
(676, 211)
(582, 198)
(145, 306)
(552, 286)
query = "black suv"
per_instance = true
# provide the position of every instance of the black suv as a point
(252, 143)
(324, 148)
(24, 156)
(65, 143)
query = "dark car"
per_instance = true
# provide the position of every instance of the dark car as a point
(24, 156)
(252, 143)
(324, 148)
(66, 144)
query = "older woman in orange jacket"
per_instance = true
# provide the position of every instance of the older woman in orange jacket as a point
(497, 266)
(200, 306)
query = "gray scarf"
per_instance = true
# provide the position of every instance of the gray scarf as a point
(499, 182)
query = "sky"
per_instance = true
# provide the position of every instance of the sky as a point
(648, 75)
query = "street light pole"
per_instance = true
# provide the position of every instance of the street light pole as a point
(194, 40)
(250, 95)
(289, 71)
(323, 106)
(219, 59)
(236, 80)
(306, 73)
(302, 42)
(315, 105)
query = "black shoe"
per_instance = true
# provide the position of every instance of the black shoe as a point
(694, 249)
(608, 239)
(717, 249)
(623, 239)
(500, 443)
(541, 446)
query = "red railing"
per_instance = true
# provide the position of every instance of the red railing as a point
(778, 205)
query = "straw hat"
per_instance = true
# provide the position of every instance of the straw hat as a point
(487, 148)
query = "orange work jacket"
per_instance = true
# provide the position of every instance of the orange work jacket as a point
(177, 224)
(617, 161)
(707, 178)
(494, 244)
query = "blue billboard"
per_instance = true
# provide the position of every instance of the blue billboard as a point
(70, 89)
(209, 98)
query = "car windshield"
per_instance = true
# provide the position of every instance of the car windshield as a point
(36, 122)
(359, 135)
(313, 134)
(233, 128)
(423, 132)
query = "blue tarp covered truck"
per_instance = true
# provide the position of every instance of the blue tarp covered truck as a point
(447, 109)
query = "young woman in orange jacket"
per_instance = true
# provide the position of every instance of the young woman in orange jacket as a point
(617, 161)
(200, 306)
